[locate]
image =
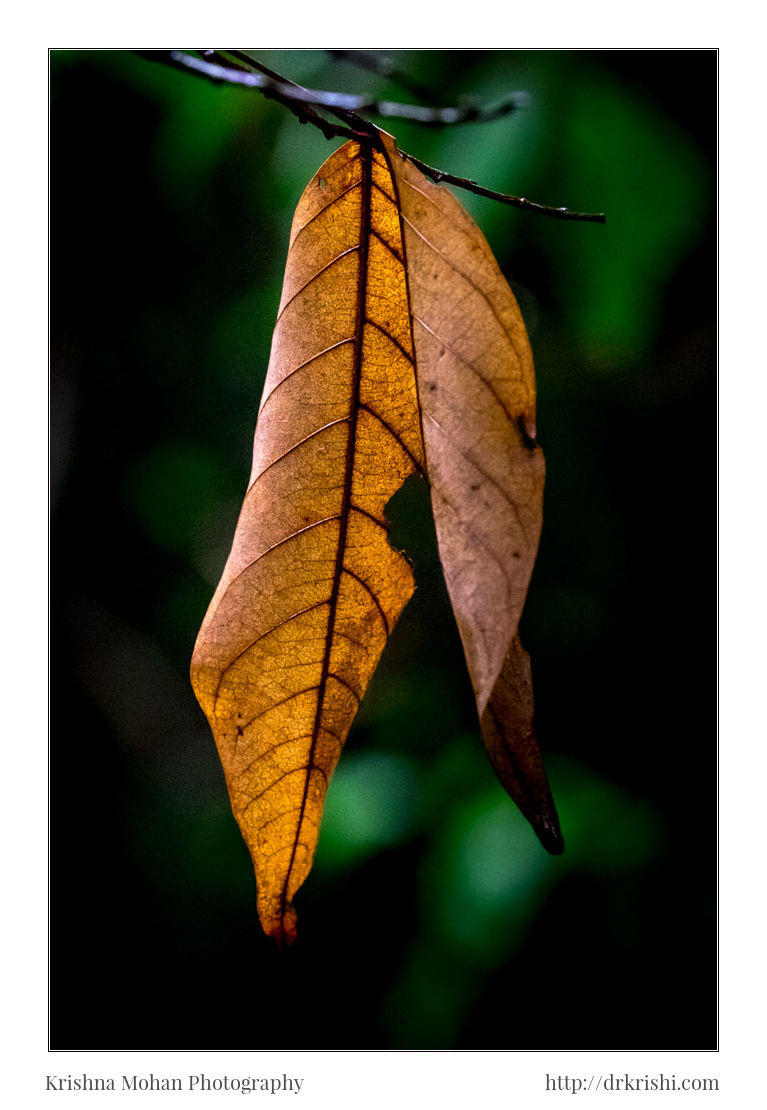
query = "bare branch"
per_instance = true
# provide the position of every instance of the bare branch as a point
(268, 81)
(306, 105)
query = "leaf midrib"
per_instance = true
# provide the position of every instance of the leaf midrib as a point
(365, 154)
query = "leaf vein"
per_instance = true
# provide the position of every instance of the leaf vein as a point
(308, 768)
(479, 539)
(387, 246)
(275, 546)
(394, 435)
(373, 597)
(346, 685)
(309, 361)
(390, 337)
(469, 366)
(380, 189)
(505, 334)
(325, 208)
(263, 635)
(301, 442)
(274, 747)
(477, 466)
(277, 705)
(323, 269)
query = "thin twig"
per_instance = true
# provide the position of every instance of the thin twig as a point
(466, 111)
(505, 198)
(383, 66)
(304, 103)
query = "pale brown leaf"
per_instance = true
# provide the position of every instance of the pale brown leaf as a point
(477, 392)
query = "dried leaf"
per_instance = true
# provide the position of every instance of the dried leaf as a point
(384, 271)
(477, 390)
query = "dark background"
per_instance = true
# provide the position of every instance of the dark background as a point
(432, 918)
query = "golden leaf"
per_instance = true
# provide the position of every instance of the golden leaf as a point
(384, 271)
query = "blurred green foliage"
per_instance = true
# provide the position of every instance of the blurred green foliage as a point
(432, 918)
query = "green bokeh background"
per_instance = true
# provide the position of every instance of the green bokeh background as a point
(432, 918)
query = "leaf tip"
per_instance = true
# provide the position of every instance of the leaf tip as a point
(282, 928)
(549, 833)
